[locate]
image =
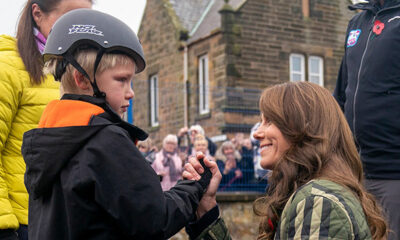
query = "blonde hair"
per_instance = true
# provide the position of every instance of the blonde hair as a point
(220, 155)
(148, 144)
(200, 138)
(86, 58)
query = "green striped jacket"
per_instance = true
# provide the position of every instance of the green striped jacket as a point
(320, 209)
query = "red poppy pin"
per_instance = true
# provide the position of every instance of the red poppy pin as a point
(378, 27)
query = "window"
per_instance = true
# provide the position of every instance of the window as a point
(204, 102)
(154, 101)
(297, 72)
(316, 70)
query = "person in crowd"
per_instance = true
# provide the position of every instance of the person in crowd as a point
(316, 187)
(191, 133)
(368, 90)
(200, 144)
(246, 164)
(228, 160)
(85, 176)
(25, 91)
(168, 164)
(237, 140)
(147, 149)
(260, 174)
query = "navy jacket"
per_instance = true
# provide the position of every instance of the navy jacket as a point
(87, 180)
(368, 87)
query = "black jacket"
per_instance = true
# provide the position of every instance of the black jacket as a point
(368, 87)
(89, 181)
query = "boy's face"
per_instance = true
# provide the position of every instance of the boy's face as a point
(116, 83)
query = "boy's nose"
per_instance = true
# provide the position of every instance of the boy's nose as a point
(130, 93)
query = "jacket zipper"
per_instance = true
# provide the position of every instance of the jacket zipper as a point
(358, 79)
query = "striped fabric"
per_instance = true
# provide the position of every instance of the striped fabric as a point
(322, 209)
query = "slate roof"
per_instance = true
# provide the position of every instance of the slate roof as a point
(201, 17)
(189, 11)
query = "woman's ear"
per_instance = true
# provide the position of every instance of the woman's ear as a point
(82, 83)
(37, 14)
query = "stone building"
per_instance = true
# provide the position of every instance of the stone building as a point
(208, 60)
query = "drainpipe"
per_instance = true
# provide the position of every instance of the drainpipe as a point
(185, 81)
(183, 37)
(185, 84)
(185, 90)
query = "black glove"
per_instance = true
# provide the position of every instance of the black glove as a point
(205, 176)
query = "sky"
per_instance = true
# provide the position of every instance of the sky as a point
(129, 11)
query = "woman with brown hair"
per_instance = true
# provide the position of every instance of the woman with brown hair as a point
(316, 186)
(25, 91)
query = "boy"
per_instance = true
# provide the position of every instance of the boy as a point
(85, 176)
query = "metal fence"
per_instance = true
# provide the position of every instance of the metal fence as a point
(233, 112)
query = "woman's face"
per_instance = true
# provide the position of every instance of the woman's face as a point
(200, 146)
(142, 148)
(170, 146)
(228, 151)
(45, 21)
(272, 143)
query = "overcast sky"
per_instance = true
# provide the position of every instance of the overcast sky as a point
(129, 11)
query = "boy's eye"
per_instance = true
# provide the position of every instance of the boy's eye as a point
(121, 79)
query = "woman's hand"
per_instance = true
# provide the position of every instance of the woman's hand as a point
(193, 169)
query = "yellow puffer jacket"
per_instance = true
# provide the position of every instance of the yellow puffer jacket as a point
(21, 106)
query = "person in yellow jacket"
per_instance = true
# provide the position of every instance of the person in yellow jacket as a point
(25, 92)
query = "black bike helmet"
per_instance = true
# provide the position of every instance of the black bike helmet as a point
(87, 27)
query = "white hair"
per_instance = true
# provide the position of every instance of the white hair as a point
(198, 129)
(170, 138)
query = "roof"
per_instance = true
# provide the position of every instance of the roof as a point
(189, 11)
(201, 17)
(212, 19)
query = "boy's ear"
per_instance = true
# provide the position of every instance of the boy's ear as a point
(81, 82)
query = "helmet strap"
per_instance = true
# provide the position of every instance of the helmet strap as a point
(60, 69)
(96, 91)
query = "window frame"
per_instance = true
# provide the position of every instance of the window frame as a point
(203, 83)
(154, 100)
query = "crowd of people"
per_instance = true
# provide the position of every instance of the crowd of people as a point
(238, 159)
(85, 173)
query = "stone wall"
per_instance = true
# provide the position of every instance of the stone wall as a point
(159, 34)
(237, 212)
(271, 30)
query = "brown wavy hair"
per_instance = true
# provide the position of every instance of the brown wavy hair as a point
(321, 146)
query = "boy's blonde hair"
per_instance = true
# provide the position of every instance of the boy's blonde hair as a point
(86, 58)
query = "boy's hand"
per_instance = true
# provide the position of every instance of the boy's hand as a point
(193, 171)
